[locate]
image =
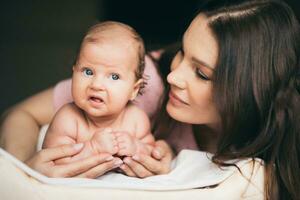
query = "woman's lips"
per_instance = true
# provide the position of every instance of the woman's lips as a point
(175, 100)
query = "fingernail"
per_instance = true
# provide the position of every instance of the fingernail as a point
(135, 157)
(122, 166)
(156, 152)
(118, 162)
(78, 146)
(109, 158)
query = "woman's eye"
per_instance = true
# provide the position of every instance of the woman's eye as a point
(87, 72)
(201, 75)
(115, 77)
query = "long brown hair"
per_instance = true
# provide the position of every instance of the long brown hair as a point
(256, 88)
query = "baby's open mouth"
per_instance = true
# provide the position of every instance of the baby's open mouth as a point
(96, 99)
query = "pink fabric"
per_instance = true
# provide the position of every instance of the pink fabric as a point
(181, 137)
(156, 54)
(62, 94)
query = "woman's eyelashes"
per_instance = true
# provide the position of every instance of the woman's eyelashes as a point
(201, 74)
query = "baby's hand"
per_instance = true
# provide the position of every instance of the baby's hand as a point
(105, 142)
(126, 143)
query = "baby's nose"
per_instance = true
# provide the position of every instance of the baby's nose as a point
(98, 83)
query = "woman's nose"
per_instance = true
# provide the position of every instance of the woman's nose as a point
(176, 78)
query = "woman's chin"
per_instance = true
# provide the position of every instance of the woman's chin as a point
(186, 115)
(176, 113)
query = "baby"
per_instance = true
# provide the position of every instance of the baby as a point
(107, 76)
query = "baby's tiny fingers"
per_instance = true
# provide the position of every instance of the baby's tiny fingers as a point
(120, 139)
(122, 145)
(123, 152)
(107, 130)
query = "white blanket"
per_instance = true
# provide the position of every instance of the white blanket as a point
(190, 169)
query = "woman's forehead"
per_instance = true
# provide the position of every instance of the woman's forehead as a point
(199, 41)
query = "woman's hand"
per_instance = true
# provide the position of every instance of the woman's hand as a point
(144, 165)
(92, 167)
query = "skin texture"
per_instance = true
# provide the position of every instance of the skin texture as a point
(191, 71)
(104, 62)
(19, 133)
(190, 96)
(139, 165)
(102, 117)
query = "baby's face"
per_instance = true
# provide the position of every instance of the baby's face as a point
(104, 78)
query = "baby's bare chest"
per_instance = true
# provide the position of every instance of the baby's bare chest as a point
(85, 131)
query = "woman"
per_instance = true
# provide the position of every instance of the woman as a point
(236, 79)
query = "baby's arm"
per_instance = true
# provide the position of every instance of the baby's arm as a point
(145, 139)
(62, 130)
(140, 140)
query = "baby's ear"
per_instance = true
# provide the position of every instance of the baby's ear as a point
(73, 68)
(136, 89)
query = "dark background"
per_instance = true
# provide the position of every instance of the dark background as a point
(39, 38)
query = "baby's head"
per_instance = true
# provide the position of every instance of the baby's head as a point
(109, 68)
(115, 33)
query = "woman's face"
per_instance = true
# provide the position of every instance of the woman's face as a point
(190, 97)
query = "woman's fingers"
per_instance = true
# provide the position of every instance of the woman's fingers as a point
(155, 166)
(126, 169)
(42, 161)
(161, 150)
(145, 165)
(138, 169)
(92, 167)
(101, 168)
(55, 153)
(82, 166)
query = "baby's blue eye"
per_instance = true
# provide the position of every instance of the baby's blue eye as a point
(115, 77)
(87, 72)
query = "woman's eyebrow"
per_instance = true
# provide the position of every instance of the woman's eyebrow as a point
(195, 60)
(200, 62)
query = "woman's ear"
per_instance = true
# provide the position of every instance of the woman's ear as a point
(136, 89)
